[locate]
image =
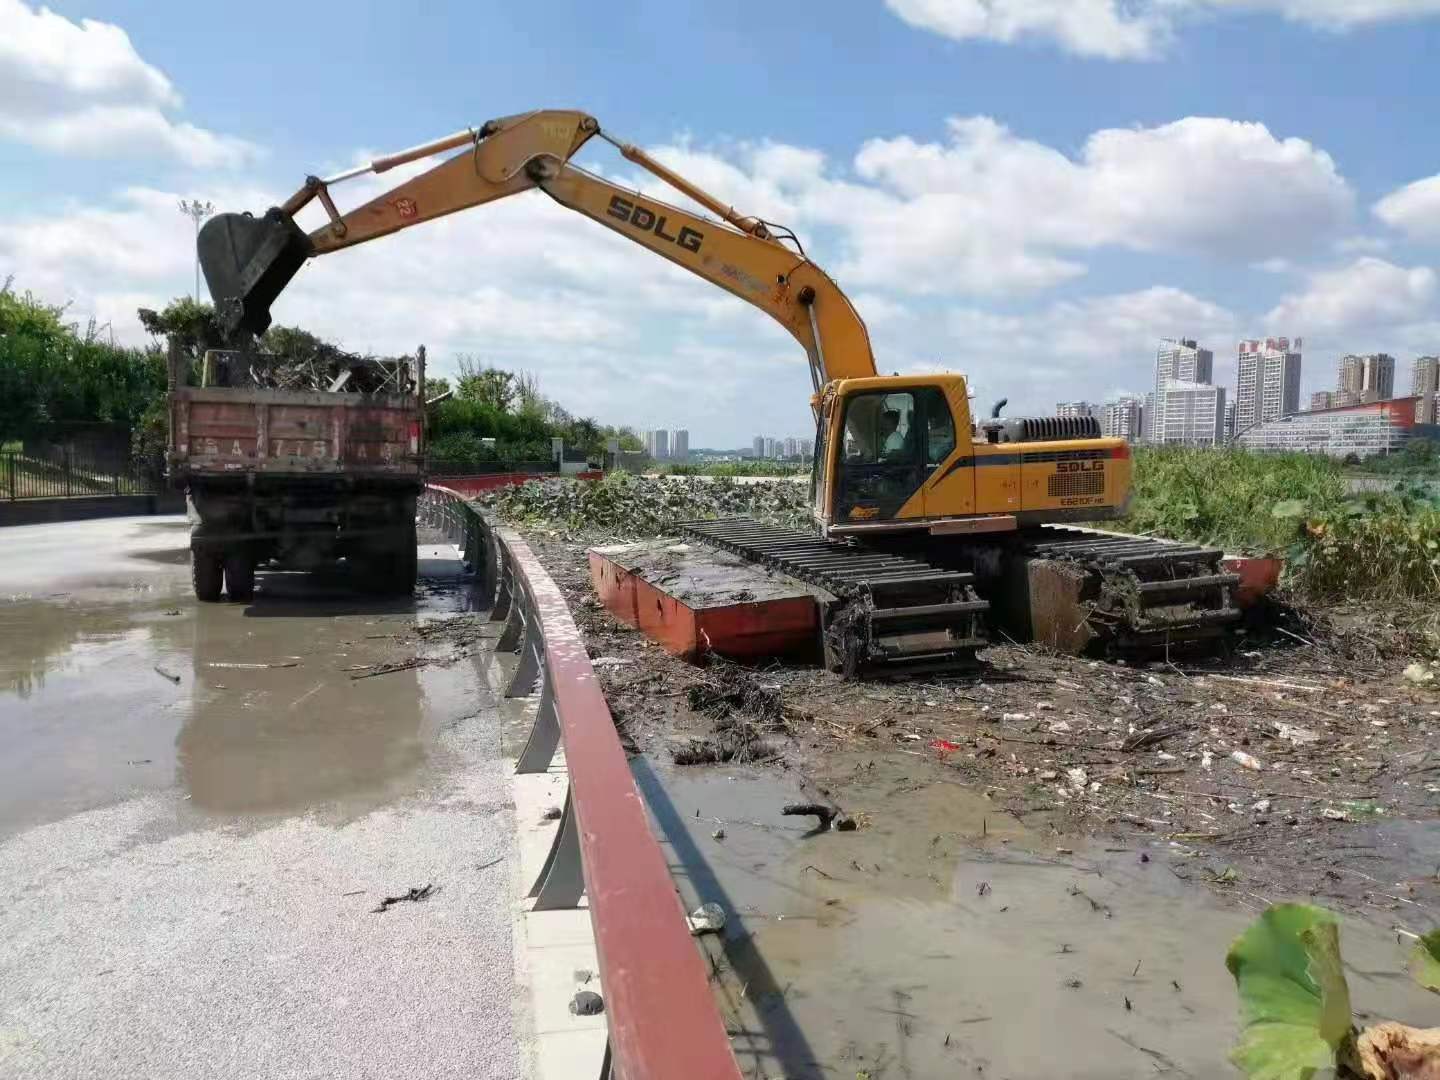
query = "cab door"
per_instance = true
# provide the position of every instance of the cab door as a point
(949, 461)
(882, 458)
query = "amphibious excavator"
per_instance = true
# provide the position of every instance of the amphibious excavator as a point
(931, 524)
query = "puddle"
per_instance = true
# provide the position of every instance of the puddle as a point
(265, 719)
(945, 939)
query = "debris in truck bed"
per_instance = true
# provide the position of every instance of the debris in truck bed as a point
(322, 368)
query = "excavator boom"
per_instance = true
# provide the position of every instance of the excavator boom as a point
(248, 261)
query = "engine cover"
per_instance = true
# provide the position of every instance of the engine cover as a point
(1048, 428)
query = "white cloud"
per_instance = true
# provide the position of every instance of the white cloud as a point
(1350, 245)
(987, 212)
(1368, 294)
(1129, 29)
(1332, 14)
(1275, 265)
(82, 89)
(1104, 28)
(1414, 209)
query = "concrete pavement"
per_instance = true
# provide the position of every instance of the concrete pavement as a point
(188, 871)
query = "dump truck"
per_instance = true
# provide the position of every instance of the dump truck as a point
(279, 470)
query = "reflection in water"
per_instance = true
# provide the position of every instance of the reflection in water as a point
(277, 738)
(83, 713)
(35, 638)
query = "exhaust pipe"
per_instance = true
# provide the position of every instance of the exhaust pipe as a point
(247, 262)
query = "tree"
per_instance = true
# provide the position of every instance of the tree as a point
(192, 323)
(488, 385)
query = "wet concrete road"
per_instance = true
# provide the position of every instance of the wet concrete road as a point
(199, 809)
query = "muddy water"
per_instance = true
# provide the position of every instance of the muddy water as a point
(944, 939)
(116, 682)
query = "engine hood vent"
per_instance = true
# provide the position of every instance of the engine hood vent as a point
(1048, 428)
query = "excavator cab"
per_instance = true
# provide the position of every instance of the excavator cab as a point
(889, 453)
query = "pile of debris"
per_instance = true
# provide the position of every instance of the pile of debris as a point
(740, 708)
(625, 507)
(323, 369)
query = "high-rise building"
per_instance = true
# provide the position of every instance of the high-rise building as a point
(1321, 399)
(1366, 378)
(1425, 386)
(1178, 360)
(792, 446)
(1230, 420)
(1123, 418)
(759, 446)
(1268, 381)
(1147, 418)
(807, 448)
(1193, 414)
(1069, 409)
(680, 444)
(771, 447)
(658, 444)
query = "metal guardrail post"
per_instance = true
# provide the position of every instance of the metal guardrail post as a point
(522, 683)
(500, 609)
(544, 737)
(514, 627)
(660, 1011)
(561, 882)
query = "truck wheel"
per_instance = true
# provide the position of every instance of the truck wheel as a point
(206, 575)
(408, 569)
(240, 577)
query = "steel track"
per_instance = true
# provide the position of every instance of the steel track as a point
(895, 613)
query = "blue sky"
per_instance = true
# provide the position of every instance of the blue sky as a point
(1028, 192)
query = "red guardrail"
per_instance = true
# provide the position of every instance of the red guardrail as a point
(663, 1020)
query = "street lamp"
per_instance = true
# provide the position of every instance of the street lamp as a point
(197, 212)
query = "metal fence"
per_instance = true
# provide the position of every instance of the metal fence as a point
(64, 474)
(662, 1018)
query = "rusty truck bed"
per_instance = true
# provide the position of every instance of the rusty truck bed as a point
(218, 431)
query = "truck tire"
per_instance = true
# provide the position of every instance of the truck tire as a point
(393, 567)
(207, 574)
(240, 577)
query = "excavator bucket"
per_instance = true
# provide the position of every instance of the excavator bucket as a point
(248, 261)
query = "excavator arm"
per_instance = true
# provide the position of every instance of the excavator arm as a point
(248, 261)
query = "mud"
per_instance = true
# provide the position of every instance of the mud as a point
(1053, 855)
(945, 938)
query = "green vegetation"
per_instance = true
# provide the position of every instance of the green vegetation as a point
(1295, 1016)
(1419, 458)
(622, 505)
(736, 468)
(55, 372)
(1369, 546)
(1227, 497)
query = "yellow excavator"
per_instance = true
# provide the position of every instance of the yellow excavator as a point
(927, 518)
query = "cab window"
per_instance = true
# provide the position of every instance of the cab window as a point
(881, 429)
(939, 426)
